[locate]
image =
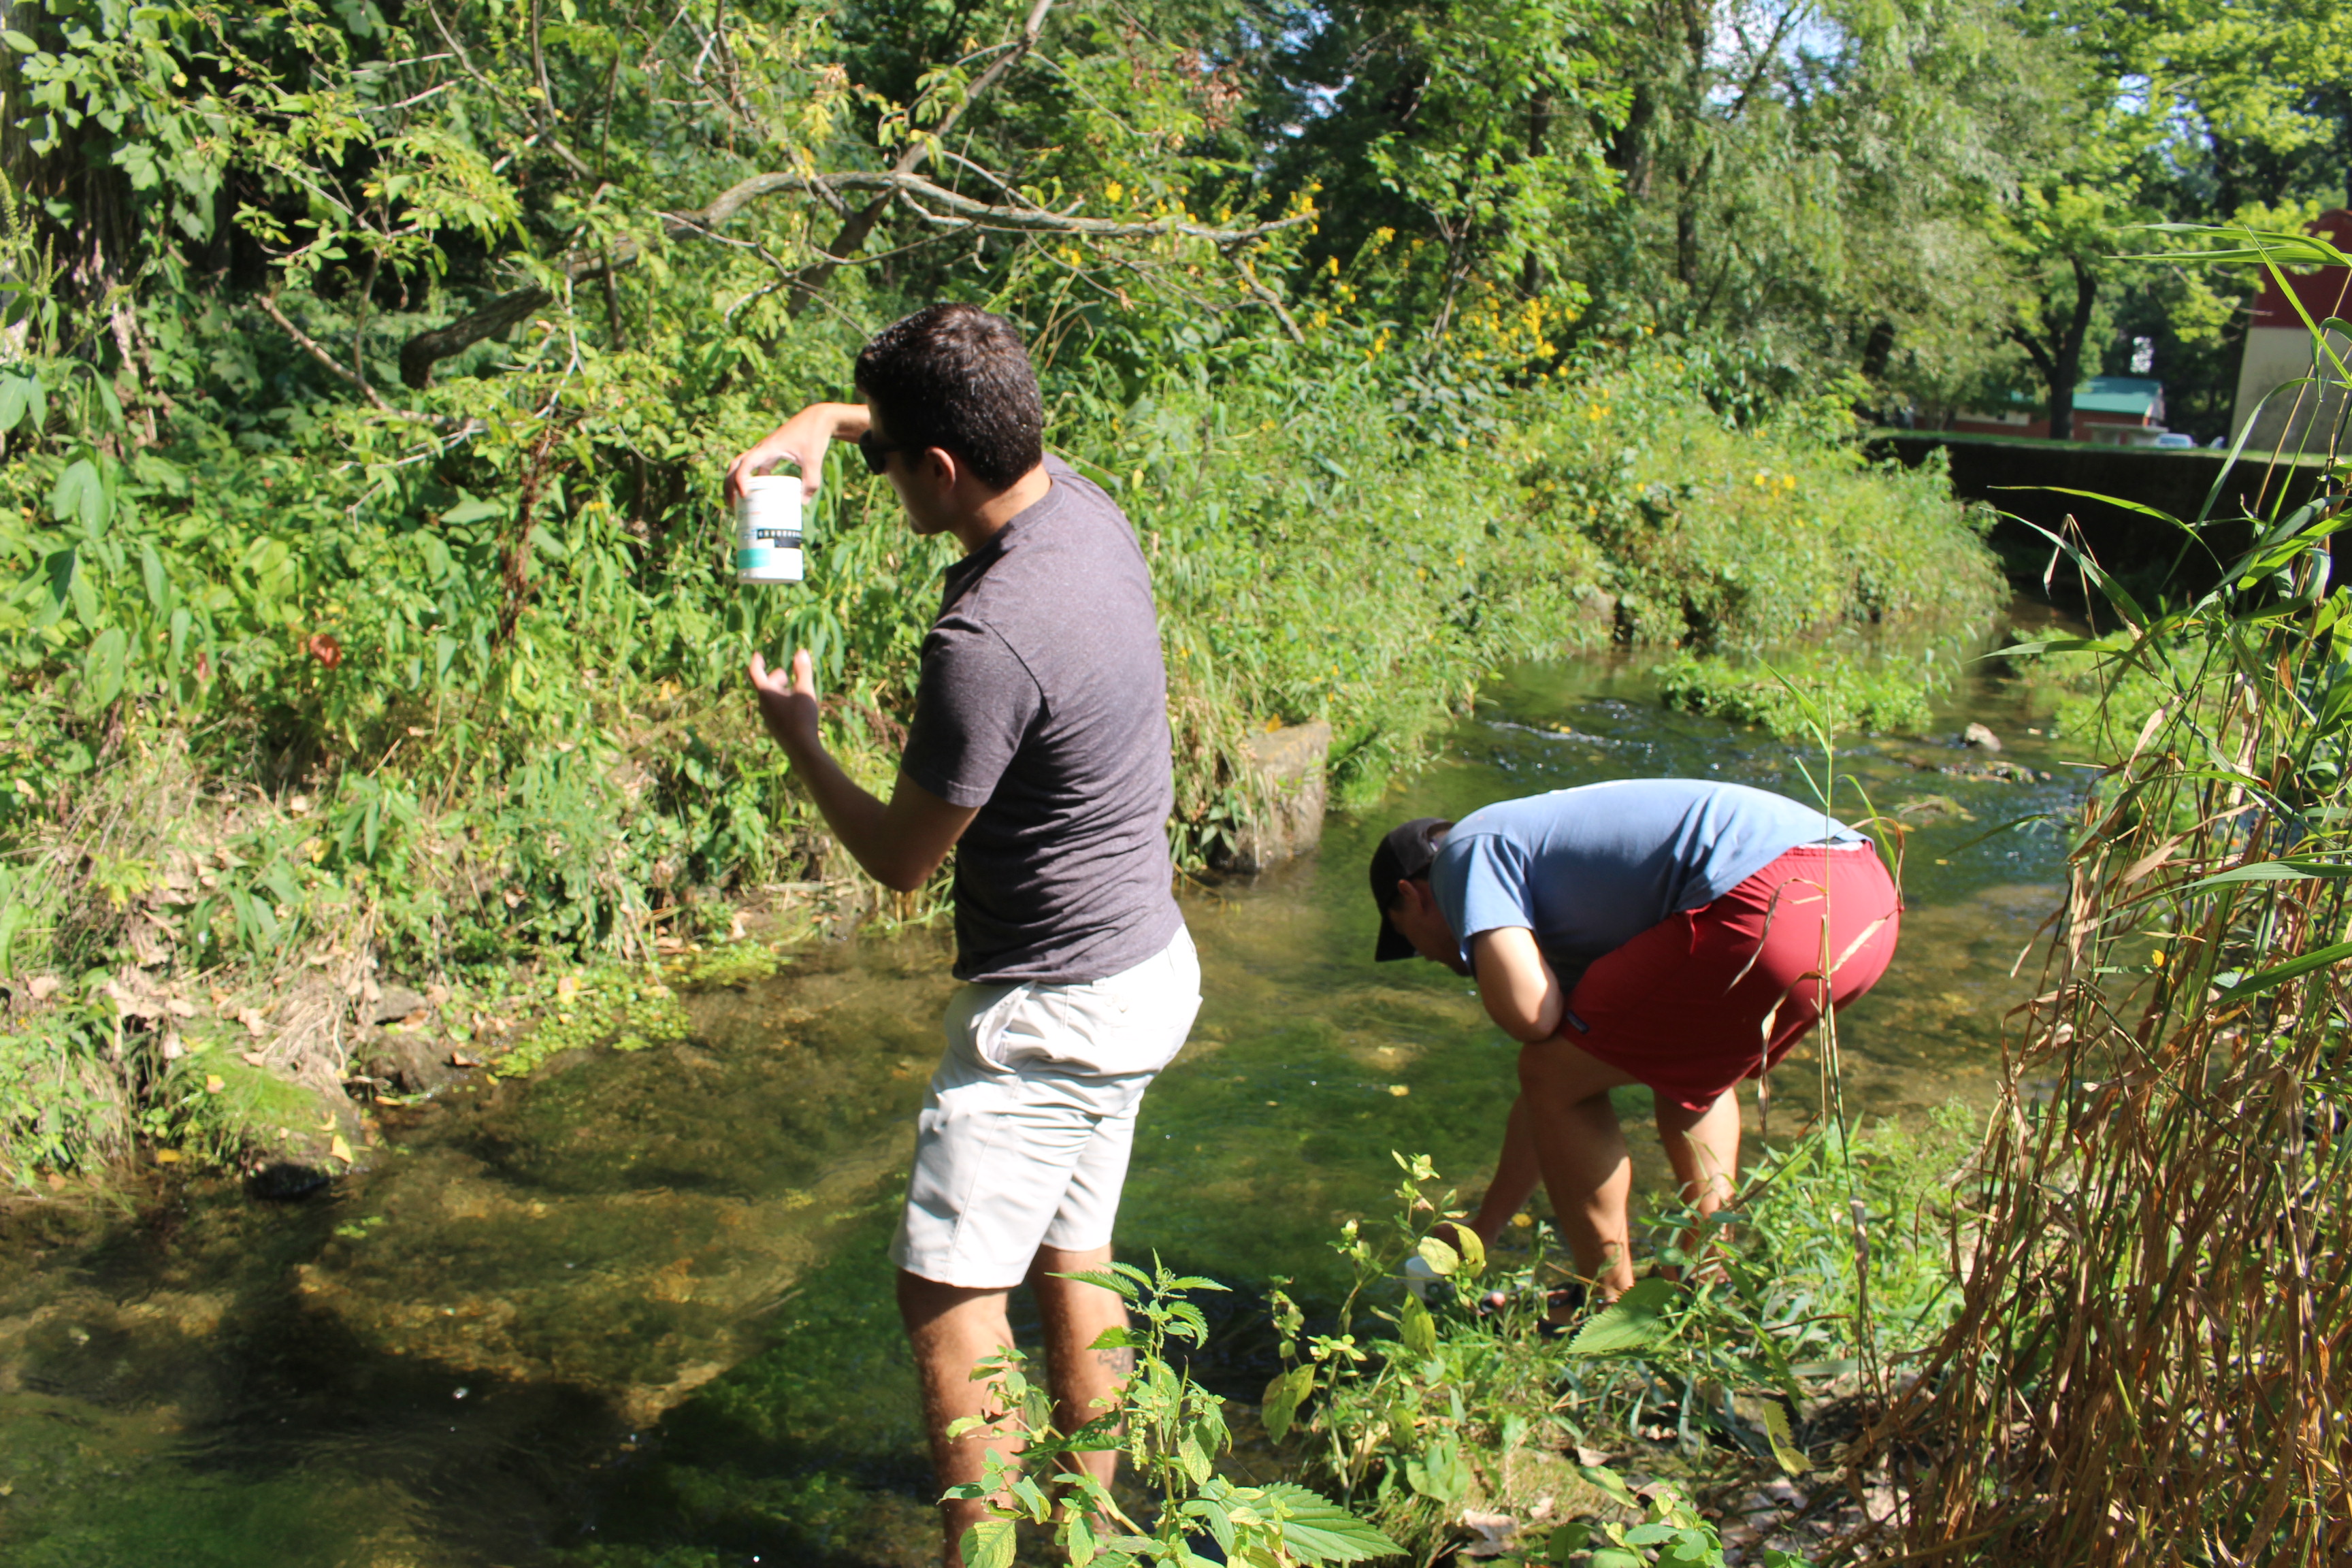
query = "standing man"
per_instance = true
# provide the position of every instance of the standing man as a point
(1040, 750)
(1677, 933)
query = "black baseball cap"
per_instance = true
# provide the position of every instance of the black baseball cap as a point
(1405, 853)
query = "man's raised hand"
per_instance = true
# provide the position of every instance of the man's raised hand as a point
(788, 702)
(801, 441)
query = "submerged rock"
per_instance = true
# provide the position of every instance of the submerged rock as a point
(412, 1064)
(285, 1180)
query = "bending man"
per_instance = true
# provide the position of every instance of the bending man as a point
(1671, 932)
(1040, 750)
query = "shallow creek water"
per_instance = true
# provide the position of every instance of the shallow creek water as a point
(634, 1310)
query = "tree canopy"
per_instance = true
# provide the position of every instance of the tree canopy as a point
(1927, 192)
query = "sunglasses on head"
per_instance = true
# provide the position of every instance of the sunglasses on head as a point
(877, 453)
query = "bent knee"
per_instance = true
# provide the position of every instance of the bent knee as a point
(1558, 1074)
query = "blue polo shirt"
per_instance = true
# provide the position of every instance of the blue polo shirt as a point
(1589, 870)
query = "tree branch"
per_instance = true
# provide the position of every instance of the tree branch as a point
(1771, 51)
(1269, 298)
(542, 131)
(317, 351)
(936, 204)
(855, 233)
(931, 195)
(2034, 350)
(420, 353)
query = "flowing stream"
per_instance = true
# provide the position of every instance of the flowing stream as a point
(634, 1310)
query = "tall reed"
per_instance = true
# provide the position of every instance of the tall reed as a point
(2149, 1364)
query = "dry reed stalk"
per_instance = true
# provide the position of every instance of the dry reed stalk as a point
(2149, 1365)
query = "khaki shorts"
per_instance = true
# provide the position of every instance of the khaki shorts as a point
(1024, 1136)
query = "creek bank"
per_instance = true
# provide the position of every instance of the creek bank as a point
(448, 829)
(588, 1239)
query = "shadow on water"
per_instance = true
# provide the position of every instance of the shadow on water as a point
(635, 1312)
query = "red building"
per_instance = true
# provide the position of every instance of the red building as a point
(2287, 416)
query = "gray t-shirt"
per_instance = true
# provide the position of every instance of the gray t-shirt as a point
(1042, 701)
(1589, 870)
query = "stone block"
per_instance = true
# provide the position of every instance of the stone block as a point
(1290, 763)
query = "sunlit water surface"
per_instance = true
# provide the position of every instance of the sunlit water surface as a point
(634, 1310)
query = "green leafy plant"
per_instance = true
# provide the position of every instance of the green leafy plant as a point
(1667, 1531)
(1172, 1431)
(629, 1011)
(1413, 1409)
(1782, 696)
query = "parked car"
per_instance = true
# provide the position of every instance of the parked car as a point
(2174, 440)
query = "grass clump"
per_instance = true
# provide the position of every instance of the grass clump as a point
(1789, 698)
(2165, 1247)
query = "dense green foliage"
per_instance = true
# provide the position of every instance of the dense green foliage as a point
(371, 367)
(1787, 697)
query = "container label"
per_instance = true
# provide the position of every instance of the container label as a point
(768, 531)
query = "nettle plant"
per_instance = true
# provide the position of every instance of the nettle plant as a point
(1420, 1412)
(1171, 1429)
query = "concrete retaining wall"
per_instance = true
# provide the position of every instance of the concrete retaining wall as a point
(2022, 478)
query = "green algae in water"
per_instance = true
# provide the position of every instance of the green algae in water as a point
(185, 1519)
(728, 963)
(812, 1452)
(631, 1010)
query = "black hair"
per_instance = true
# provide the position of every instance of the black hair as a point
(955, 377)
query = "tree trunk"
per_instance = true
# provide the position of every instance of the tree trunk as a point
(2067, 361)
(1628, 144)
(1878, 350)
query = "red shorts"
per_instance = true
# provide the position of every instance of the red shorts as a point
(1717, 994)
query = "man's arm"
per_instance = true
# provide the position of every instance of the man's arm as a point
(803, 439)
(1521, 993)
(899, 844)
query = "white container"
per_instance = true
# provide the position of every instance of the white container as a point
(767, 530)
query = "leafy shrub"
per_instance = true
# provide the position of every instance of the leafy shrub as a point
(1716, 536)
(62, 1106)
(1173, 1431)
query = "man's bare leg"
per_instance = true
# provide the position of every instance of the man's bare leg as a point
(952, 1329)
(1087, 1381)
(1581, 1150)
(1704, 1148)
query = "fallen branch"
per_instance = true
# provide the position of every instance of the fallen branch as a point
(420, 353)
